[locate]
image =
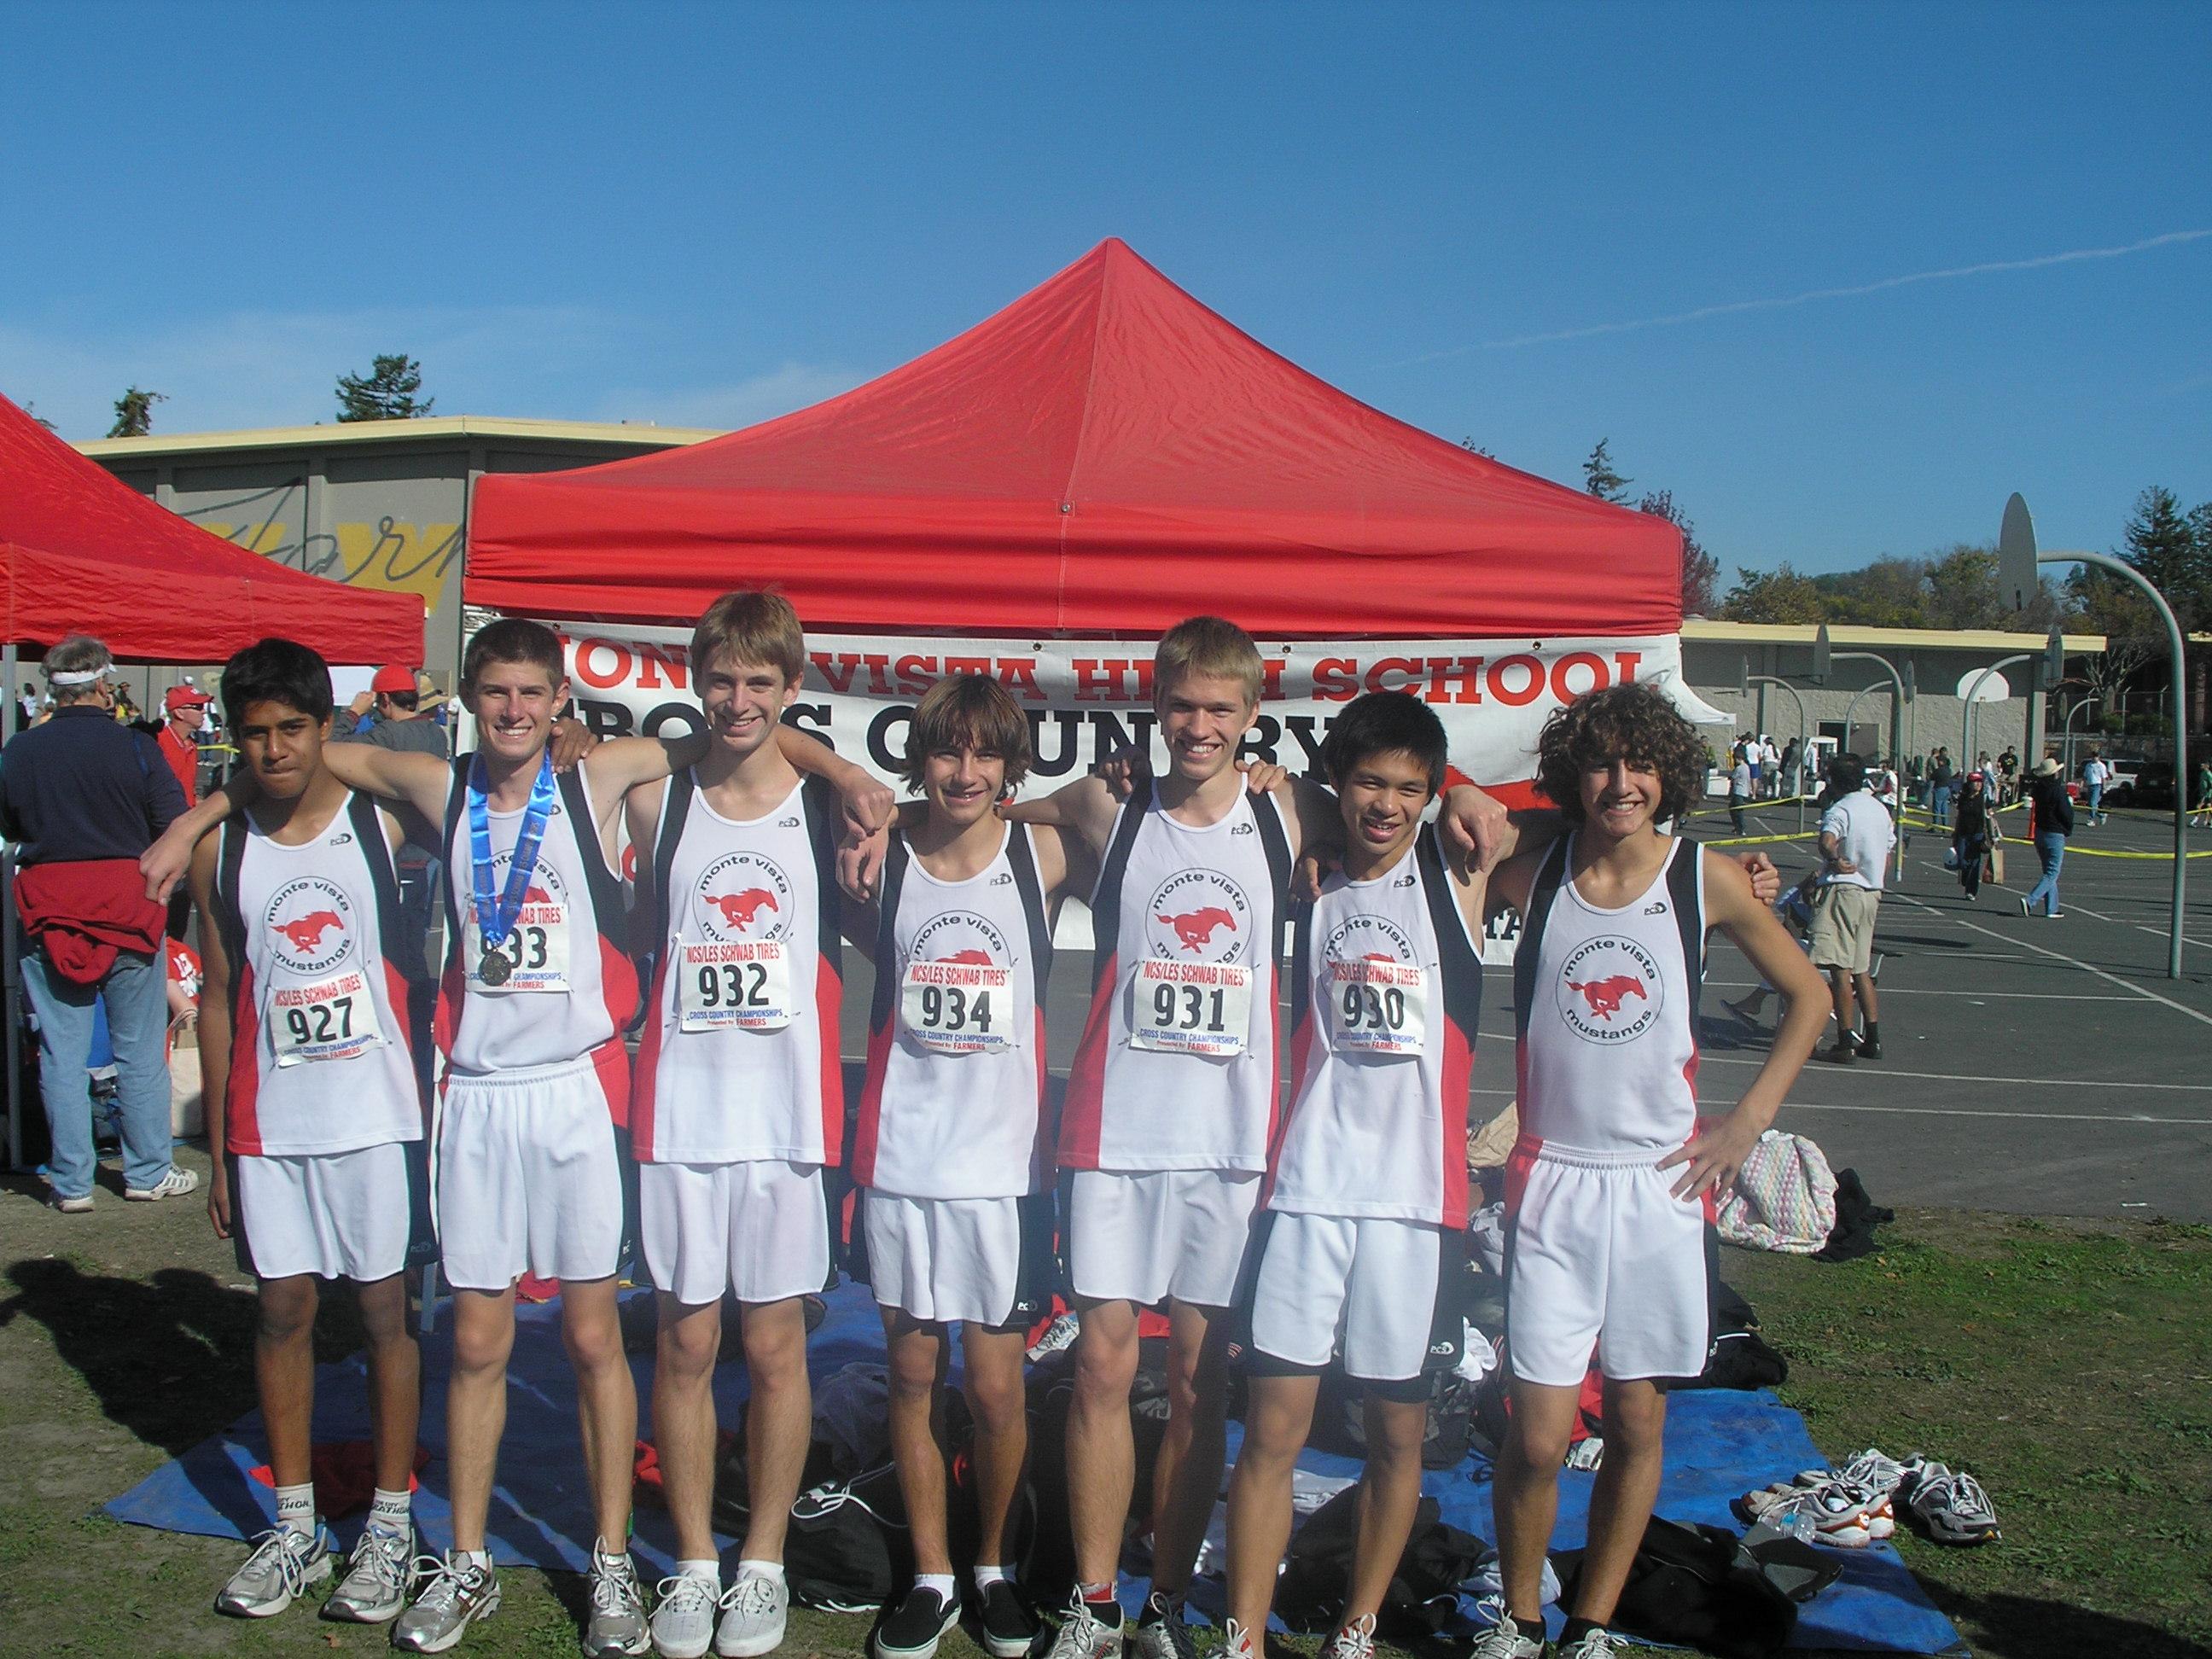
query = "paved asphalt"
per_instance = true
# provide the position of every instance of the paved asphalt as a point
(2046, 1068)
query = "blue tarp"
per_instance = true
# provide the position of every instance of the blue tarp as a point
(1719, 1444)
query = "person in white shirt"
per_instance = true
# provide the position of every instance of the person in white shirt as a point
(2096, 776)
(1856, 834)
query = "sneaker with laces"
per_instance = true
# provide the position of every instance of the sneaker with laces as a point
(1060, 1335)
(1507, 1639)
(1084, 1635)
(913, 1629)
(378, 1574)
(278, 1572)
(1009, 1628)
(175, 1184)
(1843, 1054)
(1237, 1642)
(1840, 1512)
(684, 1615)
(1353, 1641)
(754, 1612)
(456, 1595)
(1949, 1503)
(1162, 1632)
(617, 1626)
(1596, 1643)
(78, 1206)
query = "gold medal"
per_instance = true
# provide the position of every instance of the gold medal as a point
(494, 967)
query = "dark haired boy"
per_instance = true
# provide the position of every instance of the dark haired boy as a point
(537, 988)
(314, 1113)
(1610, 1190)
(952, 1151)
(1361, 1243)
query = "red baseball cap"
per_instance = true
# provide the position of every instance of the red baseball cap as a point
(392, 679)
(184, 696)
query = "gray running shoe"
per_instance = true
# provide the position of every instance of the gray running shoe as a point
(1161, 1631)
(754, 1612)
(283, 1563)
(457, 1594)
(618, 1622)
(1084, 1635)
(378, 1574)
(1597, 1643)
(1508, 1640)
(684, 1615)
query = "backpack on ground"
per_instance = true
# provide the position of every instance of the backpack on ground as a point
(1698, 1586)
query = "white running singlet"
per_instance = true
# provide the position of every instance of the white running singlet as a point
(740, 1061)
(1177, 1067)
(1606, 1004)
(571, 924)
(1386, 997)
(321, 1056)
(954, 1102)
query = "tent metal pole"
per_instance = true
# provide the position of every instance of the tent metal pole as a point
(10, 966)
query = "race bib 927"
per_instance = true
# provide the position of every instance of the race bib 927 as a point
(333, 1020)
(1190, 1007)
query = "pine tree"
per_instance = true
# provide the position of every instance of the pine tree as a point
(1599, 479)
(134, 413)
(386, 392)
(2173, 549)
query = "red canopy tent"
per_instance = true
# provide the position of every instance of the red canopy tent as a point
(82, 552)
(1105, 455)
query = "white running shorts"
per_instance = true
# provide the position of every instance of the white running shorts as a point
(760, 1229)
(1369, 1282)
(336, 1215)
(528, 1177)
(985, 1261)
(1146, 1235)
(1600, 1254)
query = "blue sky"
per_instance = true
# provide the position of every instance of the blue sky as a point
(709, 215)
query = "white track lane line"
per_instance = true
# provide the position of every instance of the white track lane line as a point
(2060, 956)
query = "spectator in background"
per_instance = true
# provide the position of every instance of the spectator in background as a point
(2200, 815)
(179, 742)
(2095, 775)
(1740, 784)
(1970, 834)
(396, 719)
(2008, 779)
(1793, 768)
(82, 797)
(28, 700)
(2049, 821)
(1943, 781)
(1856, 836)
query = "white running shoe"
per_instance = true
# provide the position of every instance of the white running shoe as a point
(1084, 1635)
(175, 1184)
(616, 1628)
(1237, 1642)
(1353, 1641)
(1840, 1514)
(1874, 1470)
(1508, 1640)
(1161, 1631)
(1949, 1502)
(1060, 1333)
(684, 1615)
(378, 1574)
(283, 1563)
(755, 1610)
(1597, 1643)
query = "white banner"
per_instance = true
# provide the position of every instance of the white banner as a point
(1088, 699)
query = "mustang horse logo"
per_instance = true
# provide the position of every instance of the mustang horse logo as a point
(1196, 927)
(738, 909)
(971, 957)
(1605, 995)
(307, 932)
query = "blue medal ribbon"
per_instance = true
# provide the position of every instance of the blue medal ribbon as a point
(495, 921)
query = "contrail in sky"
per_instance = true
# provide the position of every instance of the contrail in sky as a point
(2070, 257)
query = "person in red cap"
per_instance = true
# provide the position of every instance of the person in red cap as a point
(394, 717)
(185, 708)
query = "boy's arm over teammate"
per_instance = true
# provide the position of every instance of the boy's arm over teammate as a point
(214, 1032)
(1716, 1152)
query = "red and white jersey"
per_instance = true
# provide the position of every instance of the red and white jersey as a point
(1606, 1009)
(1385, 994)
(1177, 1067)
(954, 1102)
(573, 989)
(322, 1058)
(740, 1061)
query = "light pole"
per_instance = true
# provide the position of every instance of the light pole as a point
(1901, 692)
(2017, 558)
(2068, 729)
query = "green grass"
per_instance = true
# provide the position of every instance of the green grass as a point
(2068, 1366)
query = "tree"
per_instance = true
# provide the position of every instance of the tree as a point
(1701, 571)
(1601, 480)
(134, 413)
(32, 410)
(386, 392)
(2115, 607)
(1483, 450)
(1780, 595)
(2174, 551)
